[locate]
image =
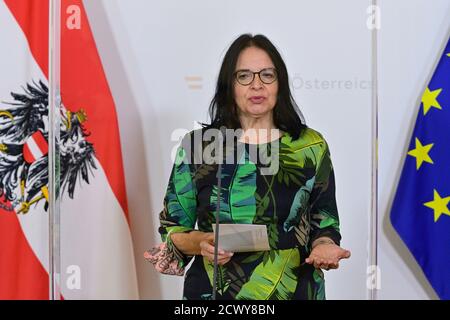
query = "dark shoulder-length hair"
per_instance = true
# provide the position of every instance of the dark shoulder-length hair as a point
(223, 109)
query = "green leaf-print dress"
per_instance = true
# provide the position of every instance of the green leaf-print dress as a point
(297, 204)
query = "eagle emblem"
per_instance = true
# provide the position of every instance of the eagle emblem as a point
(24, 150)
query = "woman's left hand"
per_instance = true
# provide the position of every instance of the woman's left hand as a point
(327, 256)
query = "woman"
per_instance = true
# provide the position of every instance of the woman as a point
(296, 203)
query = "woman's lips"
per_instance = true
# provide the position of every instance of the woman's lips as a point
(257, 99)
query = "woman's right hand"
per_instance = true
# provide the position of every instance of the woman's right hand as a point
(207, 250)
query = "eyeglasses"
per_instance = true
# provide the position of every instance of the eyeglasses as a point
(246, 77)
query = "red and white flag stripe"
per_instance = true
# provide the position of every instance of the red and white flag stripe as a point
(35, 147)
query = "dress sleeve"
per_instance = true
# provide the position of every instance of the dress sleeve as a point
(324, 213)
(179, 212)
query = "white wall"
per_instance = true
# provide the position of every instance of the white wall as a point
(149, 47)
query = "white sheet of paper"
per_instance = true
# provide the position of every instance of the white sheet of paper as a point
(243, 237)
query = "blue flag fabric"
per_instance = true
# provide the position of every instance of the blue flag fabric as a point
(420, 212)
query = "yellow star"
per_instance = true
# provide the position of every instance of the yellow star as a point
(429, 100)
(448, 55)
(439, 205)
(421, 153)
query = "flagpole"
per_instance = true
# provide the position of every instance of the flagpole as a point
(54, 102)
(373, 223)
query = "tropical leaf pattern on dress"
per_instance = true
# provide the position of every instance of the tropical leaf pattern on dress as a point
(297, 204)
(181, 194)
(222, 276)
(237, 201)
(275, 280)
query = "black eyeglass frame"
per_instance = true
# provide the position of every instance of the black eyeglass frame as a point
(256, 73)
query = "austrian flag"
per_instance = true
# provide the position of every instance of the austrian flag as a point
(97, 258)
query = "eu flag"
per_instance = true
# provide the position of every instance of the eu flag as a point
(420, 212)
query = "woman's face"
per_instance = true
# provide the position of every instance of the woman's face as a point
(257, 99)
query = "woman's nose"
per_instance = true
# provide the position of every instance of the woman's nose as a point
(257, 83)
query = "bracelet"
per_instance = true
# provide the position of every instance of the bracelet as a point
(322, 241)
